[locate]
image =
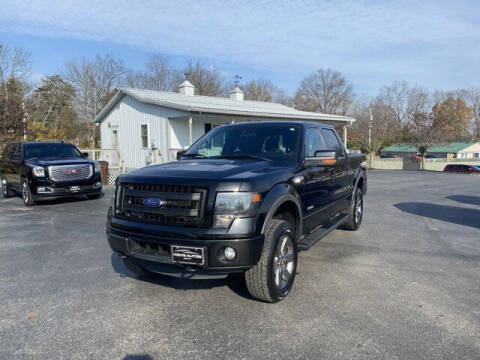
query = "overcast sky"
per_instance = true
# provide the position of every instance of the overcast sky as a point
(434, 43)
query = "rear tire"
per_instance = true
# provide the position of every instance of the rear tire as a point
(6, 192)
(355, 212)
(27, 194)
(271, 280)
(134, 267)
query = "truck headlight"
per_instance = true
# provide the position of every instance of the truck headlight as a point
(38, 171)
(229, 205)
(97, 167)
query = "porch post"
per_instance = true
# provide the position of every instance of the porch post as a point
(190, 129)
(345, 135)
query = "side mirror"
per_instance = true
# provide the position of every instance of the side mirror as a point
(322, 158)
(180, 154)
(85, 154)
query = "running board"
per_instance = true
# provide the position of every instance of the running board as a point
(311, 239)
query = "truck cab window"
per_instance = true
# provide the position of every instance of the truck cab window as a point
(332, 141)
(313, 142)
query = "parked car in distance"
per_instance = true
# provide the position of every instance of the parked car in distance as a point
(244, 198)
(48, 170)
(461, 168)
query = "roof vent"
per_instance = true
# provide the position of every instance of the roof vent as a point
(236, 94)
(186, 88)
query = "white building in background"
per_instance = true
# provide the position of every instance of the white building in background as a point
(149, 127)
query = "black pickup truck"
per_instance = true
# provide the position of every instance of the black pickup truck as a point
(244, 198)
(48, 170)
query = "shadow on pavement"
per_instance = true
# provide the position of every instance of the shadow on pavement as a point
(453, 214)
(138, 357)
(235, 282)
(465, 199)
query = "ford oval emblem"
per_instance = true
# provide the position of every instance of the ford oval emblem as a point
(152, 202)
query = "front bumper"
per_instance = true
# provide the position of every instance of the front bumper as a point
(154, 253)
(45, 189)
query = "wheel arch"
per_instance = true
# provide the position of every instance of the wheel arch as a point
(283, 200)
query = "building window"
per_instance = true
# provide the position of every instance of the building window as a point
(208, 127)
(463, 155)
(476, 155)
(145, 135)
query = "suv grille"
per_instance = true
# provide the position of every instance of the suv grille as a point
(70, 172)
(173, 204)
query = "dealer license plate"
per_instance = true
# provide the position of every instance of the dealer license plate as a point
(74, 189)
(188, 255)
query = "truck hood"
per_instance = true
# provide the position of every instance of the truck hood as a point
(58, 161)
(254, 174)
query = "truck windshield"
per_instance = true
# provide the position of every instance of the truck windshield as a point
(50, 150)
(263, 141)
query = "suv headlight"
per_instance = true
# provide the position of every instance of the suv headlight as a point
(97, 167)
(229, 205)
(38, 171)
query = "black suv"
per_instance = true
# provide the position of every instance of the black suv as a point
(244, 198)
(48, 170)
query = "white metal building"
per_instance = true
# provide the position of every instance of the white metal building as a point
(149, 127)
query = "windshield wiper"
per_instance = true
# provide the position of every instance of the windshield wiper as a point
(200, 156)
(241, 156)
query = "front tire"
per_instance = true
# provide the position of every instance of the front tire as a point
(6, 192)
(271, 280)
(27, 194)
(355, 212)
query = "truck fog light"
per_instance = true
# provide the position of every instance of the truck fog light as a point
(97, 185)
(43, 190)
(229, 253)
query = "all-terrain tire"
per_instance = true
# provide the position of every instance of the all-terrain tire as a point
(27, 194)
(260, 279)
(355, 211)
(6, 192)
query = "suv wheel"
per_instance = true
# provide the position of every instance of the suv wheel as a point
(6, 192)
(356, 211)
(134, 267)
(272, 278)
(27, 194)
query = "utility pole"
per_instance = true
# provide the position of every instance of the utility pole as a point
(370, 122)
(24, 120)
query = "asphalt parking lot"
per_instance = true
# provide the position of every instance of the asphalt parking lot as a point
(405, 286)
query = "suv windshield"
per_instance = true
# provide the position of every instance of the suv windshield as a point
(264, 141)
(50, 150)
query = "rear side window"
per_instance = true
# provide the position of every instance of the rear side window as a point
(332, 141)
(313, 142)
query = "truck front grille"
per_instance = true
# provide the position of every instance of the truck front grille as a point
(169, 204)
(70, 172)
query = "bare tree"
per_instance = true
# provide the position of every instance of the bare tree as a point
(95, 82)
(159, 75)
(14, 68)
(325, 91)
(264, 90)
(373, 135)
(472, 97)
(207, 80)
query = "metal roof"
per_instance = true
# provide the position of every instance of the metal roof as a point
(218, 105)
(453, 147)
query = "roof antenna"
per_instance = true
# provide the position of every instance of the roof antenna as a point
(237, 79)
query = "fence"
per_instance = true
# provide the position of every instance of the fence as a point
(112, 156)
(416, 164)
